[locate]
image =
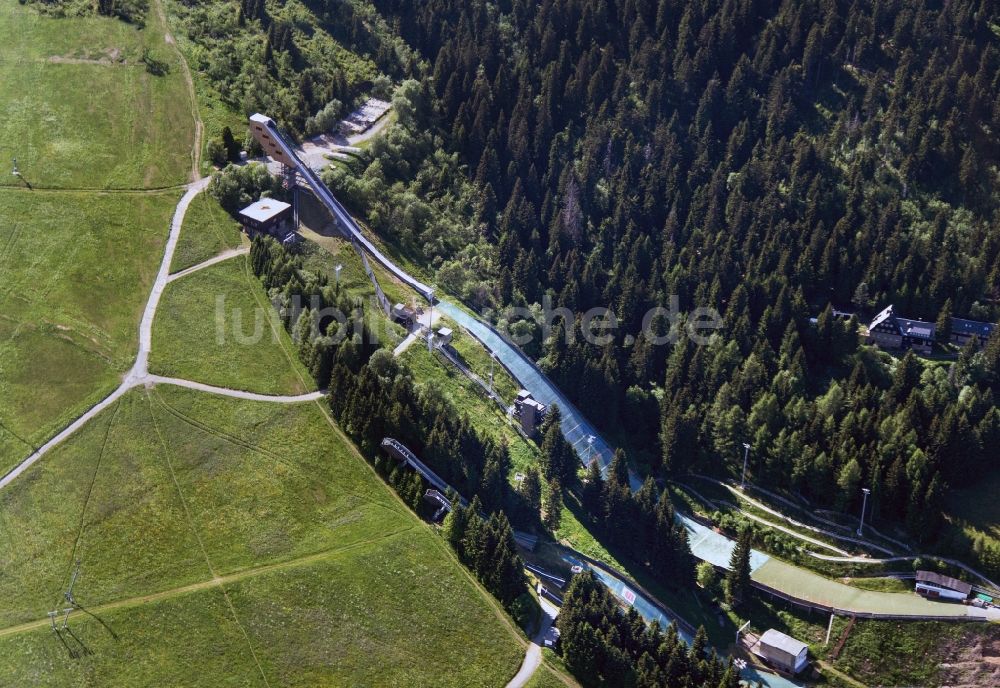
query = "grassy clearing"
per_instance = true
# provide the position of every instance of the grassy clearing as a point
(208, 231)
(216, 326)
(78, 108)
(477, 358)
(318, 227)
(546, 677)
(323, 567)
(69, 316)
(890, 653)
(809, 627)
(468, 398)
(148, 651)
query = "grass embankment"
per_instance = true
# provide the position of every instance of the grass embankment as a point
(208, 231)
(216, 326)
(294, 554)
(78, 108)
(890, 653)
(77, 269)
(547, 678)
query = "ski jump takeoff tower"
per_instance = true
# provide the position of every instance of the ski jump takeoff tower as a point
(259, 125)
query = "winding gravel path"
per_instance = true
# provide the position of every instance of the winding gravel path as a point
(139, 374)
(533, 656)
(221, 258)
(234, 393)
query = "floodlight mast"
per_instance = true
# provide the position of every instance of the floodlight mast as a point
(746, 454)
(864, 503)
(493, 359)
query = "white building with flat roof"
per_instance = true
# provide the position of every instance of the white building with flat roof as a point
(267, 215)
(782, 651)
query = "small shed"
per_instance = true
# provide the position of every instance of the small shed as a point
(404, 315)
(782, 651)
(443, 336)
(267, 216)
(937, 586)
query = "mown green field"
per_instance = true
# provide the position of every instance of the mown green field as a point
(269, 547)
(79, 110)
(208, 230)
(69, 314)
(216, 326)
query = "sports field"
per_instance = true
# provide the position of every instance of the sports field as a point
(216, 326)
(272, 554)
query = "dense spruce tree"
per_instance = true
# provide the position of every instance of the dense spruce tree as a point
(531, 489)
(554, 505)
(559, 460)
(737, 581)
(487, 547)
(592, 488)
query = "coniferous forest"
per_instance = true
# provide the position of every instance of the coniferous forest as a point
(773, 160)
(776, 161)
(604, 647)
(783, 163)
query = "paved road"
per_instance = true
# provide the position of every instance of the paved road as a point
(533, 656)
(405, 344)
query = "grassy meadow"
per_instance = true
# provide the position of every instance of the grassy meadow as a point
(208, 230)
(248, 349)
(79, 110)
(69, 317)
(224, 538)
